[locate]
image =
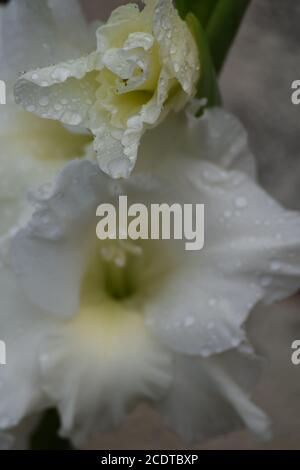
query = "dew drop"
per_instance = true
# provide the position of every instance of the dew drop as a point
(227, 214)
(60, 74)
(44, 101)
(235, 342)
(76, 119)
(275, 266)
(120, 261)
(241, 202)
(189, 321)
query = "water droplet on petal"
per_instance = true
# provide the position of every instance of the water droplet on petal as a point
(76, 119)
(44, 101)
(235, 342)
(241, 202)
(120, 261)
(275, 266)
(60, 74)
(189, 321)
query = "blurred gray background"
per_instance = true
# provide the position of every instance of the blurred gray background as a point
(256, 85)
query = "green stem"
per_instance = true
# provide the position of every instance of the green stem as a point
(220, 19)
(222, 27)
(208, 85)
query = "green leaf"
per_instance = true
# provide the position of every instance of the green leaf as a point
(45, 436)
(202, 9)
(223, 26)
(208, 84)
(220, 19)
(182, 7)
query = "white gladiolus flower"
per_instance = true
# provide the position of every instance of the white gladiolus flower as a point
(33, 149)
(96, 327)
(146, 63)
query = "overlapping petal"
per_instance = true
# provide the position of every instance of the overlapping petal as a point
(32, 149)
(199, 306)
(146, 63)
(48, 32)
(185, 304)
(213, 397)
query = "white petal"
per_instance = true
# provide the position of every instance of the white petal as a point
(177, 45)
(89, 92)
(72, 27)
(39, 33)
(112, 364)
(19, 437)
(24, 332)
(210, 397)
(112, 361)
(251, 254)
(123, 16)
(57, 92)
(32, 151)
(217, 136)
(251, 250)
(117, 149)
(50, 253)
